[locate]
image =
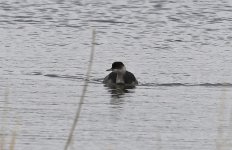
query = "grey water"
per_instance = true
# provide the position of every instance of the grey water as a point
(180, 52)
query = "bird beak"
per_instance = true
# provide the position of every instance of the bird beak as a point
(109, 69)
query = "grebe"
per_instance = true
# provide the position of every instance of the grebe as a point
(120, 75)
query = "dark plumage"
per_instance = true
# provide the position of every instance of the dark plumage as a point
(119, 75)
(128, 77)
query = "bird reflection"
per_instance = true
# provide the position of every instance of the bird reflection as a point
(117, 93)
(119, 90)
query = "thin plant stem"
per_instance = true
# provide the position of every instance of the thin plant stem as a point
(13, 139)
(4, 116)
(70, 137)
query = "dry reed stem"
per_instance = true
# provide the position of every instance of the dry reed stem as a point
(3, 134)
(221, 117)
(2, 142)
(3, 120)
(13, 139)
(223, 141)
(70, 137)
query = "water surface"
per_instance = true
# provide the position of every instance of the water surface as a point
(180, 51)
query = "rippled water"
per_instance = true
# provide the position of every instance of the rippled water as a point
(180, 51)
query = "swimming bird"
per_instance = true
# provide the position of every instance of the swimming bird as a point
(120, 75)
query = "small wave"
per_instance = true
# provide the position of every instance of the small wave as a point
(163, 84)
(216, 84)
(76, 77)
(171, 84)
(52, 75)
(63, 76)
(108, 21)
(33, 73)
(189, 84)
(99, 81)
(27, 21)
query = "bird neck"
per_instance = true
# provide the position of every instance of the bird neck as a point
(120, 78)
